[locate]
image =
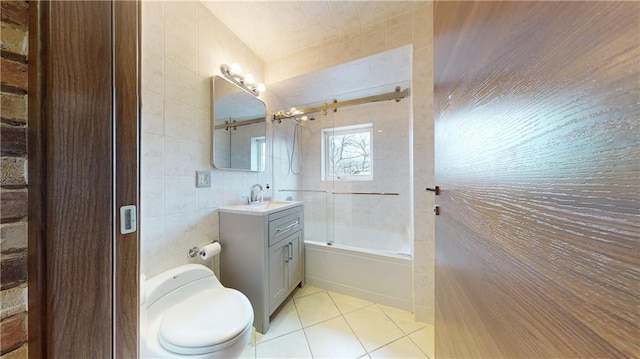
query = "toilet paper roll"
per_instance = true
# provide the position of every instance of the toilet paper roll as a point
(210, 250)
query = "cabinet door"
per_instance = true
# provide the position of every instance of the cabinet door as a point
(278, 258)
(295, 262)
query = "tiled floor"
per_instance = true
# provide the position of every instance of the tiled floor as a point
(319, 324)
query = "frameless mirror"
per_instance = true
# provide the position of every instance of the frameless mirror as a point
(239, 129)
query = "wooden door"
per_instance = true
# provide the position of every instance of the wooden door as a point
(537, 153)
(126, 70)
(83, 117)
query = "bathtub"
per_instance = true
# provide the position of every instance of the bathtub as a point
(381, 275)
(357, 238)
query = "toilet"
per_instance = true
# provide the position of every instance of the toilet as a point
(186, 312)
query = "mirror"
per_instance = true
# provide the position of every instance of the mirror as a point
(239, 129)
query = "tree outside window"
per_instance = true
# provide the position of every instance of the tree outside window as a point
(347, 152)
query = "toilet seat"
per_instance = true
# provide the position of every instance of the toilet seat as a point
(206, 322)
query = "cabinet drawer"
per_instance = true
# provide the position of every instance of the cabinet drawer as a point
(281, 227)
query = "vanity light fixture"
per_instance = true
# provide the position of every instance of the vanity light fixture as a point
(247, 81)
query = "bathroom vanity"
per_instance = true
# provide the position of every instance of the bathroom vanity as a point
(262, 253)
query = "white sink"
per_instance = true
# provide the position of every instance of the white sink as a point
(259, 209)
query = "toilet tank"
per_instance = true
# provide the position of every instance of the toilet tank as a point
(180, 282)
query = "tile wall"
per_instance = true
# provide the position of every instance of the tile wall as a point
(183, 45)
(414, 27)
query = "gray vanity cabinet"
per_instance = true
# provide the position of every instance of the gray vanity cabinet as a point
(285, 271)
(263, 257)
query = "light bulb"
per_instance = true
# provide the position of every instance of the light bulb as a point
(261, 87)
(249, 79)
(235, 69)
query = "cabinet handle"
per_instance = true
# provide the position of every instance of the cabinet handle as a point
(290, 250)
(292, 225)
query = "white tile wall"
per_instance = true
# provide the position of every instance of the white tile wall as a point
(183, 45)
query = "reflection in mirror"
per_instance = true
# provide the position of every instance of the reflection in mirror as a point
(239, 130)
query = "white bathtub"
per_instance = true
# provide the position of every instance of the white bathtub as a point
(357, 238)
(380, 275)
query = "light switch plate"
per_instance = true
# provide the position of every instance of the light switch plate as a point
(203, 179)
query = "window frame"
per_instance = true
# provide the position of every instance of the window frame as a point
(327, 133)
(258, 153)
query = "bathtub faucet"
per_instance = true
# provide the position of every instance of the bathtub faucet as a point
(253, 197)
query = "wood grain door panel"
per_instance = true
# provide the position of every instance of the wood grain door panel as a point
(538, 157)
(127, 246)
(72, 187)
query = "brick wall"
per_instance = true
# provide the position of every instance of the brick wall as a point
(13, 187)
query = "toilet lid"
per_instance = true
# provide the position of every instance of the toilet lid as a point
(205, 320)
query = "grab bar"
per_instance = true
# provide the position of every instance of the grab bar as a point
(334, 192)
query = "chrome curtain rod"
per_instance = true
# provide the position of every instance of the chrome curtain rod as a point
(333, 192)
(396, 95)
(233, 124)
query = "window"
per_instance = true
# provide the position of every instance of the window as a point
(258, 153)
(346, 153)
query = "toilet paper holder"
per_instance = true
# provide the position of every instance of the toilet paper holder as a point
(195, 251)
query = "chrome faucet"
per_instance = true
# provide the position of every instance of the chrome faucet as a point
(253, 197)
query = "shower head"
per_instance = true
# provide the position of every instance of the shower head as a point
(296, 120)
(301, 119)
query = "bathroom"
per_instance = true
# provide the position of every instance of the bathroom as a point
(528, 109)
(387, 46)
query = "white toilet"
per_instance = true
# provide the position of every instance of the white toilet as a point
(185, 311)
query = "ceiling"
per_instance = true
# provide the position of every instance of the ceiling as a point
(273, 29)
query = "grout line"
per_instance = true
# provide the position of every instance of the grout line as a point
(357, 337)
(416, 344)
(391, 342)
(306, 295)
(349, 325)
(415, 331)
(355, 310)
(255, 350)
(307, 340)
(301, 325)
(367, 352)
(283, 334)
(394, 323)
(391, 319)
(322, 321)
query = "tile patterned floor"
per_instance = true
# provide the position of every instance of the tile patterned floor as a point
(315, 323)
